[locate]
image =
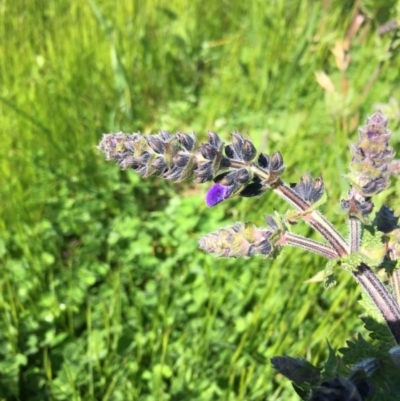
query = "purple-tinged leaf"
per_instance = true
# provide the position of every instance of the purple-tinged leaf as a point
(277, 162)
(249, 151)
(204, 172)
(242, 176)
(187, 141)
(155, 143)
(214, 140)
(237, 144)
(308, 189)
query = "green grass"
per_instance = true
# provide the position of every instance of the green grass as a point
(103, 292)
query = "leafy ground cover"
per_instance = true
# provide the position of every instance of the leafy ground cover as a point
(104, 294)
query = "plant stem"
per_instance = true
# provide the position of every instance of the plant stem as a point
(381, 297)
(355, 234)
(370, 282)
(291, 239)
(314, 218)
(395, 283)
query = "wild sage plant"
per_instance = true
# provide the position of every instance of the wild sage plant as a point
(365, 371)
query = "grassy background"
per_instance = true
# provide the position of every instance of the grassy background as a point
(103, 293)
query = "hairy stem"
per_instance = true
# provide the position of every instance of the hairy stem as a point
(314, 218)
(311, 217)
(305, 243)
(355, 234)
(381, 297)
(395, 284)
(370, 282)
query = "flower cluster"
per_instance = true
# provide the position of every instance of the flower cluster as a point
(242, 239)
(370, 166)
(309, 189)
(235, 168)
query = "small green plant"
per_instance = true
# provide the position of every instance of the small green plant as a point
(364, 370)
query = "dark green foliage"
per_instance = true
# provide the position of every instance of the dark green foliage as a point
(297, 370)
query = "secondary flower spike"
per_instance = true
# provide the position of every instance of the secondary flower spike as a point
(240, 240)
(370, 166)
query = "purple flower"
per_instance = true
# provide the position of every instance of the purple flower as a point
(217, 193)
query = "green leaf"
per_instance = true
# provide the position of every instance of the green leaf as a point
(379, 331)
(357, 350)
(317, 278)
(373, 246)
(329, 277)
(331, 365)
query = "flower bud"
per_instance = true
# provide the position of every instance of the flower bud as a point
(187, 141)
(243, 176)
(204, 172)
(308, 189)
(273, 165)
(242, 239)
(212, 151)
(240, 149)
(385, 220)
